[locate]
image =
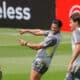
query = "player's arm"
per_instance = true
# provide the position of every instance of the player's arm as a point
(75, 54)
(36, 32)
(31, 45)
(44, 44)
(36, 46)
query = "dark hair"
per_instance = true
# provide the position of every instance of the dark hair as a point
(76, 17)
(57, 22)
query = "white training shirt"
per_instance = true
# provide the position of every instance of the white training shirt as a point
(76, 39)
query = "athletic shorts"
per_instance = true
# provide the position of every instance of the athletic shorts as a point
(39, 66)
(74, 75)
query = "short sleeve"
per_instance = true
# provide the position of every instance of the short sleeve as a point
(49, 42)
(46, 33)
(77, 36)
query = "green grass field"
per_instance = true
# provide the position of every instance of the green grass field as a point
(15, 60)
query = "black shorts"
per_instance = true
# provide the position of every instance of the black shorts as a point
(39, 66)
(74, 75)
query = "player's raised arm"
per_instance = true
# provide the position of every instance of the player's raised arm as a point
(36, 32)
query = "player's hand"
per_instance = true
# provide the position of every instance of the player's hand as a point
(22, 31)
(23, 42)
(69, 68)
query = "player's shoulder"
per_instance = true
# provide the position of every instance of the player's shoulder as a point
(77, 31)
(46, 33)
(59, 36)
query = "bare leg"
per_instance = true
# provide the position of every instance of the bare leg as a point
(34, 75)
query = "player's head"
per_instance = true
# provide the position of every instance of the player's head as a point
(56, 26)
(75, 21)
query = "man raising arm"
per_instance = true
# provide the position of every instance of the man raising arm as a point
(45, 49)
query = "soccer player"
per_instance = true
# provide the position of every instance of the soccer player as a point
(45, 49)
(73, 68)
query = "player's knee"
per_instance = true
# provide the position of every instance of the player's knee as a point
(35, 77)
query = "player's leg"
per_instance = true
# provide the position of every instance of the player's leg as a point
(70, 76)
(77, 72)
(34, 75)
(74, 75)
(38, 69)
